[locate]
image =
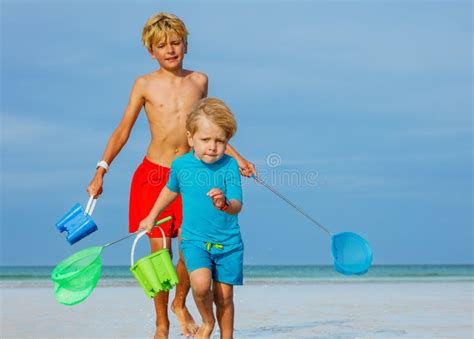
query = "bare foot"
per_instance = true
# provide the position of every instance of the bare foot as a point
(204, 331)
(161, 333)
(186, 321)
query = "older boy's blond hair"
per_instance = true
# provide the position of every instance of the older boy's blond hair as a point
(215, 110)
(159, 26)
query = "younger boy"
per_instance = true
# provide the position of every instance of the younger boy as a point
(209, 183)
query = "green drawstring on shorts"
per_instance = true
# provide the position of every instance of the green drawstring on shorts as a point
(209, 245)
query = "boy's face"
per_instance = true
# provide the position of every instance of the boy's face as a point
(209, 141)
(170, 52)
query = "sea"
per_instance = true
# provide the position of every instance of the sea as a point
(39, 276)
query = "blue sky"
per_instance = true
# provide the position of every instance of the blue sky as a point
(365, 105)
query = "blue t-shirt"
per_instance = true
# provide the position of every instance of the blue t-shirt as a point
(193, 178)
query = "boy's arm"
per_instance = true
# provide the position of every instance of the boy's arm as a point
(165, 198)
(231, 202)
(120, 135)
(232, 206)
(206, 85)
(246, 168)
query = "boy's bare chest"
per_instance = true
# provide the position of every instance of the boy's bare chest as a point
(172, 99)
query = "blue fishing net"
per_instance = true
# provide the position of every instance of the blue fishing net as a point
(351, 253)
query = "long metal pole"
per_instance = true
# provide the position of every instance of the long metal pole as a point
(292, 204)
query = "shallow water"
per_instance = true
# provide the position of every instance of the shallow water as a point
(121, 276)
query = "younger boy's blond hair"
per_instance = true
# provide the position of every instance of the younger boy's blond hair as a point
(215, 110)
(159, 26)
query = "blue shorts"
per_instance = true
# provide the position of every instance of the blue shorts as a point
(226, 263)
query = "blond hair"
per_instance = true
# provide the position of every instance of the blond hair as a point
(215, 110)
(159, 26)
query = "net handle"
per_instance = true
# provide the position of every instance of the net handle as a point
(281, 196)
(90, 205)
(141, 234)
(159, 222)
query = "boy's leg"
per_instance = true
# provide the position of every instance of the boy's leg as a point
(161, 299)
(201, 280)
(178, 306)
(188, 325)
(224, 300)
(227, 273)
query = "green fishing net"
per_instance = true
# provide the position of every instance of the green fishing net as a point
(76, 276)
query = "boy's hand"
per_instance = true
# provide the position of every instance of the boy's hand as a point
(146, 224)
(95, 187)
(218, 198)
(246, 168)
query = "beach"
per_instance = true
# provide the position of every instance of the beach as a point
(276, 309)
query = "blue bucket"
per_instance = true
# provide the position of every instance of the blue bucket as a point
(78, 222)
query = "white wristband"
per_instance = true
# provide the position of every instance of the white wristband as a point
(103, 164)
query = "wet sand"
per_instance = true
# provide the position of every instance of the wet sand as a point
(276, 310)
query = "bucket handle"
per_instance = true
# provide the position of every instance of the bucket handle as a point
(90, 205)
(142, 233)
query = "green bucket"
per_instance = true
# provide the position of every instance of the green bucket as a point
(155, 272)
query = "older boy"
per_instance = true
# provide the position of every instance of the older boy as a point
(167, 95)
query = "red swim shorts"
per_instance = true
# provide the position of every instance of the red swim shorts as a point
(147, 183)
